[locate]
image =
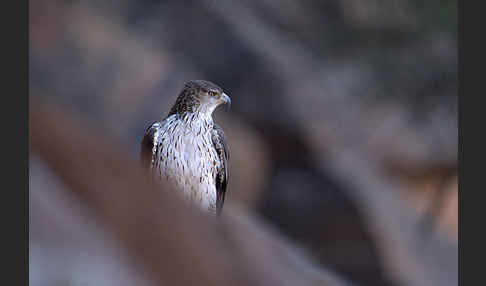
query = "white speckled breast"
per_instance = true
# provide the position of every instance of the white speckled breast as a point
(188, 158)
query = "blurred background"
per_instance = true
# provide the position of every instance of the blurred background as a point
(330, 101)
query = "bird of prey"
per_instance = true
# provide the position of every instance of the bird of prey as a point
(188, 149)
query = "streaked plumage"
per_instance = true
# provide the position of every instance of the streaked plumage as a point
(188, 148)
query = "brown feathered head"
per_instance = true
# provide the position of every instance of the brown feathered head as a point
(199, 96)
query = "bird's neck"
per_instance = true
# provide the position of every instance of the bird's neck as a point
(197, 118)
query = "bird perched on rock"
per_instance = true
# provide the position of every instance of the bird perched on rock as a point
(188, 149)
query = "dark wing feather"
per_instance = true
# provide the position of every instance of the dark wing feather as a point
(219, 143)
(147, 152)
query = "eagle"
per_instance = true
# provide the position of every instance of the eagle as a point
(188, 149)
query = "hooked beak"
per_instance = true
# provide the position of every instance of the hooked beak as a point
(226, 99)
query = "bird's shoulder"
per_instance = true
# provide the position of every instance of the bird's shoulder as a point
(220, 145)
(219, 141)
(156, 128)
(151, 141)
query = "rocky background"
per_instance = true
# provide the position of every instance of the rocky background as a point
(342, 130)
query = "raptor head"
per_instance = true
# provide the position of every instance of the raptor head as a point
(200, 96)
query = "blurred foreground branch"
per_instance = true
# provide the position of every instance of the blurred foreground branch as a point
(176, 243)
